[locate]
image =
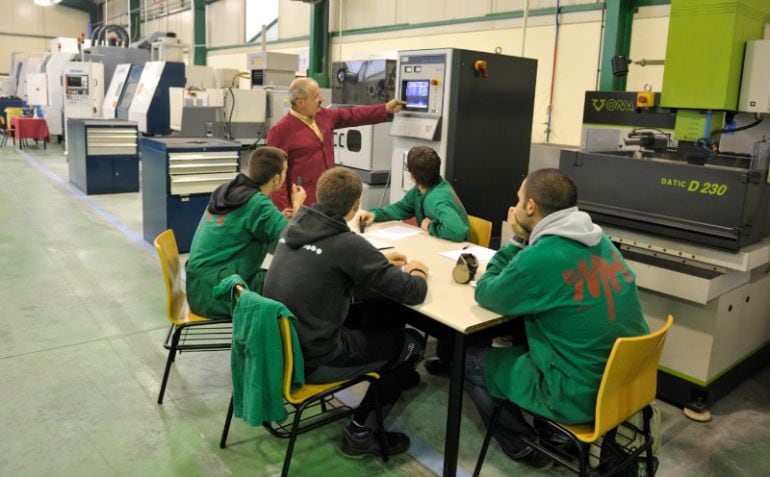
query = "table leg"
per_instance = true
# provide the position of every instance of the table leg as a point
(454, 409)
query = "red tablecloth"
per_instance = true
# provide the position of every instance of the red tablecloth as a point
(29, 128)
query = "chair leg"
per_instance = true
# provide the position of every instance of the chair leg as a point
(380, 424)
(650, 460)
(169, 361)
(292, 440)
(226, 429)
(487, 438)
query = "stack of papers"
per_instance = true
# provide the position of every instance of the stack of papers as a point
(482, 254)
(396, 232)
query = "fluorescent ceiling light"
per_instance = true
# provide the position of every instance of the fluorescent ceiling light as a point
(46, 3)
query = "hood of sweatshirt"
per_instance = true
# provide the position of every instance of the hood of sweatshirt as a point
(568, 223)
(312, 224)
(232, 195)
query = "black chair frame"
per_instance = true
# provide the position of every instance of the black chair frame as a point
(300, 426)
(581, 449)
(195, 336)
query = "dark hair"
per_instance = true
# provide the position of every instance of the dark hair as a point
(265, 162)
(425, 165)
(339, 188)
(551, 189)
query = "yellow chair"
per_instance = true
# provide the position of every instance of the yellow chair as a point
(188, 331)
(9, 113)
(309, 395)
(481, 231)
(628, 386)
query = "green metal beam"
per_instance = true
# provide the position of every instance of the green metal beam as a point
(199, 32)
(82, 5)
(618, 20)
(134, 19)
(318, 63)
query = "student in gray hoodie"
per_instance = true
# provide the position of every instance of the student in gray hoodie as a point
(318, 268)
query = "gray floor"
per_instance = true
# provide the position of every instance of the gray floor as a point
(82, 324)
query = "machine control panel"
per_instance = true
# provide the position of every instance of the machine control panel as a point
(76, 88)
(416, 126)
(422, 83)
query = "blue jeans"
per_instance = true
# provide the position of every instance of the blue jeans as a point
(510, 422)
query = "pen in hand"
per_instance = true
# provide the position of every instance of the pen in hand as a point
(361, 224)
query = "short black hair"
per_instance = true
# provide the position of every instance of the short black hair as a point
(265, 162)
(425, 165)
(551, 189)
(339, 188)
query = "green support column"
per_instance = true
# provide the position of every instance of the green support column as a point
(134, 18)
(617, 41)
(318, 64)
(199, 32)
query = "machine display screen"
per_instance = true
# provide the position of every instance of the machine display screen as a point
(415, 93)
(75, 82)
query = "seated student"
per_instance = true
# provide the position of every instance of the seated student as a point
(576, 295)
(432, 201)
(317, 264)
(238, 227)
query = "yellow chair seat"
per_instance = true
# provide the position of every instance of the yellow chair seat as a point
(584, 432)
(309, 390)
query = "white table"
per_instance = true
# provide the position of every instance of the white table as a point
(452, 310)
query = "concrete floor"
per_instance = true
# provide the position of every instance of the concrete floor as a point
(81, 357)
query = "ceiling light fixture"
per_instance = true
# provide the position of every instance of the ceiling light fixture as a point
(46, 3)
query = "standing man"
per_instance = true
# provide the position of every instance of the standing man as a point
(306, 135)
(317, 266)
(576, 295)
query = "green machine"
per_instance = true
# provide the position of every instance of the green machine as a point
(653, 170)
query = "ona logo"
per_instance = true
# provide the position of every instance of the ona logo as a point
(613, 104)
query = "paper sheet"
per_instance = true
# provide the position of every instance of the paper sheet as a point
(395, 232)
(481, 253)
(378, 244)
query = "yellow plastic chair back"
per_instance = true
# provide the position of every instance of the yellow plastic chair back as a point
(176, 299)
(297, 396)
(629, 382)
(11, 112)
(481, 231)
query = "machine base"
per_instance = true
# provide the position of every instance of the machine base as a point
(683, 393)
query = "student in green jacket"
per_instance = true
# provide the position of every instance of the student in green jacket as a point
(238, 227)
(576, 295)
(432, 201)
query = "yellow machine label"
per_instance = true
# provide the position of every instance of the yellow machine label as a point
(694, 186)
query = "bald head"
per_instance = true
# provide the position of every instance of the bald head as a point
(305, 96)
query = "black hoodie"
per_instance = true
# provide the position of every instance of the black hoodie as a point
(232, 195)
(316, 266)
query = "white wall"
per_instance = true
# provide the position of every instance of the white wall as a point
(24, 17)
(577, 55)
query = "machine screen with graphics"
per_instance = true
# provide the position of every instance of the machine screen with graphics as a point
(76, 82)
(415, 93)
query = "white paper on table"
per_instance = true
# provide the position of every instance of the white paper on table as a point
(482, 254)
(395, 232)
(378, 244)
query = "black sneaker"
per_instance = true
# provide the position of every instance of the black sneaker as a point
(437, 367)
(356, 447)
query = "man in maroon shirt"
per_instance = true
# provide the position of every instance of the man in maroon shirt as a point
(306, 135)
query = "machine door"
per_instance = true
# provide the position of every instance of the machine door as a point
(355, 147)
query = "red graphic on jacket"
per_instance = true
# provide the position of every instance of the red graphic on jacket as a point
(600, 273)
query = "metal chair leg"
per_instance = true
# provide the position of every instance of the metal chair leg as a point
(226, 429)
(650, 460)
(487, 438)
(169, 361)
(292, 440)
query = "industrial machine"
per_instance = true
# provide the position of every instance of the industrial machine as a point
(103, 156)
(110, 46)
(83, 91)
(269, 68)
(129, 89)
(475, 110)
(150, 104)
(679, 181)
(178, 176)
(365, 149)
(46, 90)
(115, 91)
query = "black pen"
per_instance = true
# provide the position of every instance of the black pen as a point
(361, 224)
